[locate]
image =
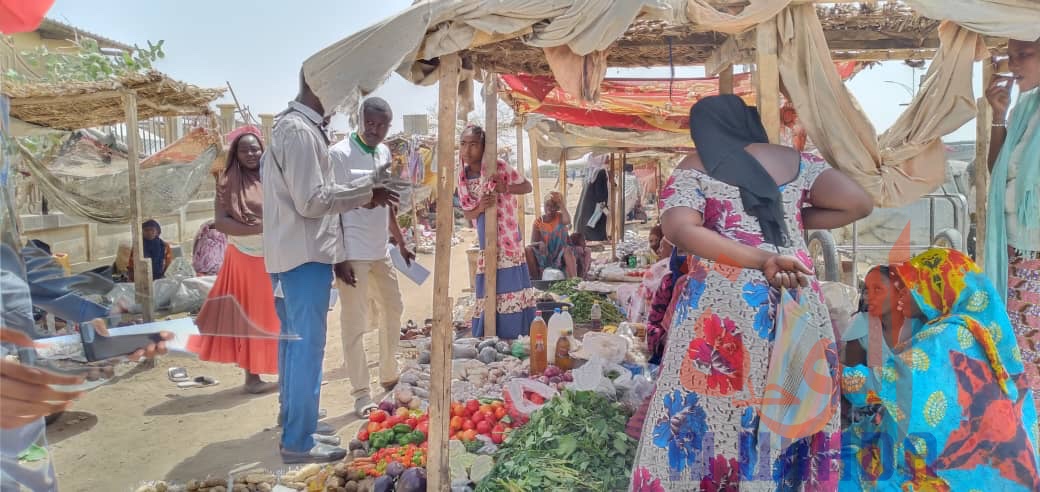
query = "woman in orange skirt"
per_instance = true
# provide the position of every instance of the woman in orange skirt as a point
(238, 322)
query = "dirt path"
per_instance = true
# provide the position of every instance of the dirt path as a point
(142, 427)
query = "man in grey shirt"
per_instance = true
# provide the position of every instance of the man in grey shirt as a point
(302, 242)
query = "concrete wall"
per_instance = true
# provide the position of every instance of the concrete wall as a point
(90, 245)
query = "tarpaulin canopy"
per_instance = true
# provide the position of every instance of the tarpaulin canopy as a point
(627, 103)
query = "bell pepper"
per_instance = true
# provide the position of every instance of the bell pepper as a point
(402, 429)
(381, 439)
(417, 458)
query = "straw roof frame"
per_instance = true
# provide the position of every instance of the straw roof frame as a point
(868, 32)
(76, 105)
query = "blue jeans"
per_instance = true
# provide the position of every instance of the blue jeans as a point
(303, 309)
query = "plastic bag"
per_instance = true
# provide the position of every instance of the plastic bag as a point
(191, 293)
(179, 268)
(590, 377)
(608, 347)
(519, 407)
(124, 294)
(162, 292)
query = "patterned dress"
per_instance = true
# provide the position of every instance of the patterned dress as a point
(950, 409)
(515, 302)
(703, 430)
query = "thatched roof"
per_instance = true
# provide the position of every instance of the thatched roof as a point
(891, 30)
(75, 105)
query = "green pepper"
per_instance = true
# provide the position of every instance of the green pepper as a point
(417, 459)
(417, 437)
(404, 439)
(381, 439)
(402, 429)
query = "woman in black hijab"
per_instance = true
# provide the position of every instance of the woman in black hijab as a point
(738, 206)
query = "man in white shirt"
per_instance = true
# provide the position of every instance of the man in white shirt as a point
(302, 242)
(370, 277)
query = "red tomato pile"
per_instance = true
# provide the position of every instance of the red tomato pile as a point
(380, 420)
(473, 418)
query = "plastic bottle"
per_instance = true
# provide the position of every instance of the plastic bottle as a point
(556, 325)
(568, 320)
(563, 351)
(596, 317)
(539, 345)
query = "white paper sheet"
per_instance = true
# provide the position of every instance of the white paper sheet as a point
(416, 272)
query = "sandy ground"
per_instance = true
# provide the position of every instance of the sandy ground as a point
(141, 427)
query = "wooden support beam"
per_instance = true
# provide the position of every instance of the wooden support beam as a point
(726, 80)
(267, 126)
(443, 332)
(491, 213)
(612, 178)
(563, 174)
(983, 128)
(536, 180)
(142, 268)
(768, 78)
(522, 210)
(619, 213)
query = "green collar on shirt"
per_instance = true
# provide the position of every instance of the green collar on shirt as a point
(370, 150)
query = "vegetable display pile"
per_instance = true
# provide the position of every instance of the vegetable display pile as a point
(476, 418)
(577, 441)
(582, 302)
(565, 287)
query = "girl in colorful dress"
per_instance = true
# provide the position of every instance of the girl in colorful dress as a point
(476, 193)
(549, 247)
(238, 321)
(739, 206)
(953, 408)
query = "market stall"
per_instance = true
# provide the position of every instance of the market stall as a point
(452, 43)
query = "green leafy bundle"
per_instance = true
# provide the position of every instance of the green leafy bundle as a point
(577, 442)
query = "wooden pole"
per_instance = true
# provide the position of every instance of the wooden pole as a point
(522, 212)
(441, 342)
(612, 204)
(563, 174)
(620, 215)
(657, 195)
(726, 80)
(536, 181)
(768, 78)
(491, 214)
(142, 268)
(983, 127)
(266, 126)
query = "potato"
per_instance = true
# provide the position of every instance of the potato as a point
(214, 482)
(334, 482)
(240, 487)
(260, 478)
(307, 472)
(265, 487)
(193, 486)
(351, 486)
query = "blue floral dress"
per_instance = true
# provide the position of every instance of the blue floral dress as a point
(703, 430)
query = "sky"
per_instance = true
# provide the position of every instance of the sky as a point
(258, 47)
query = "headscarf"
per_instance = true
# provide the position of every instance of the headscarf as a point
(1025, 150)
(721, 127)
(238, 189)
(950, 289)
(155, 249)
(595, 164)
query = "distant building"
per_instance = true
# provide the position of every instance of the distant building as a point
(416, 124)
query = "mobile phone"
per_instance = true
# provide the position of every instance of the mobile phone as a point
(1000, 66)
(97, 347)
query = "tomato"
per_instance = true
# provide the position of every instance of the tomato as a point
(500, 412)
(363, 435)
(394, 420)
(498, 434)
(468, 425)
(473, 406)
(469, 435)
(385, 426)
(373, 427)
(484, 427)
(378, 416)
(423, 427)
(536, 398)
(485, 408)
(402, 412)
(477, 417)
(457, 408)
(489, 417)
(411, 422)
(456, 423)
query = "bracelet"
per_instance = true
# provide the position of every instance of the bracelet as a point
(999, 125)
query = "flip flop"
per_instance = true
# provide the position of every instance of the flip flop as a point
(198, 382)
(177, 374)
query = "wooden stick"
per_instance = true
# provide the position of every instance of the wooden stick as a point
(491, 214)
(536, 181)
(621, 200)
(768, 79)
(726, 80)
(611, 203)
(563, 174)
(441, 342)
(983, 129)
(142, 268)
(522, 212)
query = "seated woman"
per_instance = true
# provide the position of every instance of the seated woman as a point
(879, 318)
(954, 411)
(549, 247)
(155, 248)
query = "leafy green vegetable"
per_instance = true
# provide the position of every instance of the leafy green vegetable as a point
(577, 441)
(583, 301)
(565, 287)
